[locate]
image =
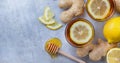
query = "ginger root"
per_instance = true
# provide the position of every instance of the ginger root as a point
(75, 9)
(85, 50)
(100, 50)
(96, 52)
(117, 5)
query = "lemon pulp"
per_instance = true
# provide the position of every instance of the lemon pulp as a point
(99, 9)
(113, 55)
(81, 32)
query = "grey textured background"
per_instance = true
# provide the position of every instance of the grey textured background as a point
(22, 36)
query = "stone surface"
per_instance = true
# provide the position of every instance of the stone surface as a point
(22, 36)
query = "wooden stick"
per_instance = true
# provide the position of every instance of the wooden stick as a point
(71, 57)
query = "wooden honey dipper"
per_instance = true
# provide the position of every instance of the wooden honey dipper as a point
(54, 49)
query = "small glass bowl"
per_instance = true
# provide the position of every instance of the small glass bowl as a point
(67, 33)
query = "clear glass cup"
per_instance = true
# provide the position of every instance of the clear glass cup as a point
(109, 15)
(67, 33)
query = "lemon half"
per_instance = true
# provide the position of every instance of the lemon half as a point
(113, 55)
(44, 21)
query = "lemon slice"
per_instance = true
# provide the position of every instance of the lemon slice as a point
(98, 9)
(48, 13)
(54, 26)
(113, 55)
(44, 21)
(81, 32)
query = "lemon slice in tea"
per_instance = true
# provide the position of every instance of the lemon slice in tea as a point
(99, 9)
(81, 32)
(113, 55)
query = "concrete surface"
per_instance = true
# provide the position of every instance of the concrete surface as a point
(22, 36)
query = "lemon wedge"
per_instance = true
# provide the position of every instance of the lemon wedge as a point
(48, 19)
(44, 21)
(48, 13)
(54, 26)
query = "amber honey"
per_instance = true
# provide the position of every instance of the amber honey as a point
(67, 33)
(55, 41)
